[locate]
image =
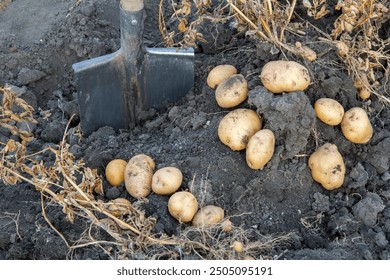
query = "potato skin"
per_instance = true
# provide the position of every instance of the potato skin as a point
(327, 166)
(356, 126)
(232, 91)
(220, 73)
(115, 172)
(284, 76)
(329, 111)
(237, 127)
(260, 149)
(166, 180)
(207, 216)
(138, 176)
(183, 206)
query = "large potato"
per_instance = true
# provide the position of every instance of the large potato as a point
(183, 206)
(327, 166)
(329, 111)
(260, 149)
(138, 176)
(115, 172)
(237, 127)
(167, 180)
(356, 126)
(232, 91)
(284, 76)
(208, 215)
(220, 73)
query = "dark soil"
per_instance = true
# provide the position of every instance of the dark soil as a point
(40, 40)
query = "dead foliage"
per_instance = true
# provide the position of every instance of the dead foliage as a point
(187, 16)
(364, 52)
(355, 35)
(4, 4)
(67, 183)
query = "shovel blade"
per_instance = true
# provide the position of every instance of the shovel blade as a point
(99, 83)
(167, 75)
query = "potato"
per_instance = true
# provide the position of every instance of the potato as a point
(220, 73)
(237, 127)
(284, 76)
(356, 126)
(260, 149)
(207, 216)
(329, 111)
(238, 246)
(167, 180)
(115, 172)
(232, 91)
(119, 206)
(183, 206)
(327, 166)
(227, 226)
(138, 176)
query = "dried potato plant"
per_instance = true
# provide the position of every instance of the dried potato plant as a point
(363, 51)
(356, 39)
(187, 16)
(4, 4)
(270, 19)
(316, 8)
(69, 184)
(66, 182)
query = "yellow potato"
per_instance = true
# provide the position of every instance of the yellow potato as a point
(260, 149)
(329, 111)
(284, 76)
(220, 73)
(364, 93)
(138, 176)
(183, 206)
(356, 126)
(119, 206)
(115, 172)
(237, 127)
(327, 166)
(238, 246)
(227, 226)
(208, 215)
(167, 180)
(232, 91)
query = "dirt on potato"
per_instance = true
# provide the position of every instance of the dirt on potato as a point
(39, 42)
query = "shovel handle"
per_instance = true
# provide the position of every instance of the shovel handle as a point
(132, 5)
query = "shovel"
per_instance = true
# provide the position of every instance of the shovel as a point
(114, 89)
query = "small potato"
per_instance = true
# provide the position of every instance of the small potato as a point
(329, 111)
(183, 206)
(220, 73)
(238, 246)
(138, 176)
(356, 126)
(284, 76)
(260, 149)
(115, 172)
(167, 180)
(232, 91)
(227, 226)
(237, 127)
(207, 216)
(119, 206)
(327, 166)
